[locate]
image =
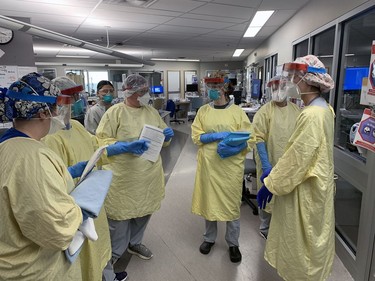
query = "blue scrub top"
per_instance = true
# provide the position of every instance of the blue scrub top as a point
(12, 133)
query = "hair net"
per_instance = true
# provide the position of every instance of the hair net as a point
(322, 81)
(63, 83)
(134, 83)
(35, 85)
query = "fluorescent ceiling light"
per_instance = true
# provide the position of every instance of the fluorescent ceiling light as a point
(238, 52)
(73, 56)
(260, 18)
(252, 31)
(162, 59)
(123, 65)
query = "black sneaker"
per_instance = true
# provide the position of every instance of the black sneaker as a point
(121, 276)
(264, 235)
(205, 247)
(235, 254)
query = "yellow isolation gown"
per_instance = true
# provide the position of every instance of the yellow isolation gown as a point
(138, 185)
(38, 218)
(273, 125)
(218, 182)
(75, 145)
(301, 242)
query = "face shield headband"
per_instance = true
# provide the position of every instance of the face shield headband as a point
(75, 99)
(292, 72)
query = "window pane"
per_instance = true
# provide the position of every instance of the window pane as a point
(301, 49)
(356, 51)
(347, 211)
(323, 48)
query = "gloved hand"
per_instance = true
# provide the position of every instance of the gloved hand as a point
(263, 155)
(77, 169)
(168, 133)
(211, 137)
(225, 150)
(265, 174)
(137, 147)
(264, 196)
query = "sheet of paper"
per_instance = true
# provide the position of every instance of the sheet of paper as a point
(156, 137)
(92, 162)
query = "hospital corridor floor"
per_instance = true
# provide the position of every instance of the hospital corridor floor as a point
(174, 234)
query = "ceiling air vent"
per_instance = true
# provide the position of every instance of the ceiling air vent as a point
(132, 3)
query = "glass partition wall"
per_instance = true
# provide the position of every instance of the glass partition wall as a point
(345, 49)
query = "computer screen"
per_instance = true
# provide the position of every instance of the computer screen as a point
(255, 89)
(157, 89)
(237, 97)
(233, 81)
(353, 77)
(191, 87)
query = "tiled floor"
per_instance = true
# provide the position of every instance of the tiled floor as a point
(174, 234)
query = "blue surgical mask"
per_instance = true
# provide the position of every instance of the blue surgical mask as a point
(107, 98)
(77, 108)
(213, 94)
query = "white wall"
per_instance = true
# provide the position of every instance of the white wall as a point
(314, 15)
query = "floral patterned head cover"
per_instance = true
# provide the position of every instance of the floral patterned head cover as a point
(3, 100)
(323, 81)
(29, 95)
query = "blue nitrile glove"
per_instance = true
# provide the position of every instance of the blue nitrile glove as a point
(264, 196)
(225, 150)
(263, 155)
(211, 137)
(136, 147)
(77, 169)
(168, 133)
(85, 215)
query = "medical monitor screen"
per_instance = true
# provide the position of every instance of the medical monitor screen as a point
(255, 89)
(353, 78)
(237, 97)
(157, 90)
(191, 87)
(233, 81)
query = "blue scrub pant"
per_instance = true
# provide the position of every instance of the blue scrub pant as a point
(232, 233)
(265, 220)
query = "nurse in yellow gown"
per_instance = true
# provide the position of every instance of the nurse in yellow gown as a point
(73, 145)
(138, 184)
(38, 217)
(218, 181)
(273, 125)
(301, 238)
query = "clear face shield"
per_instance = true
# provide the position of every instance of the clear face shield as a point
(272, 91)
(214, 85)
(73, 103)
(292, 75)
(64, 106)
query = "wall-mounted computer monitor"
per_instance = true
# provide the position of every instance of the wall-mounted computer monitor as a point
(237, 97)
(353, 77)
(233, 81)
(157, 90)
(256, 89)
(191, 87)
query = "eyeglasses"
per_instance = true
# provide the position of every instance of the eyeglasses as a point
(106, 91)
